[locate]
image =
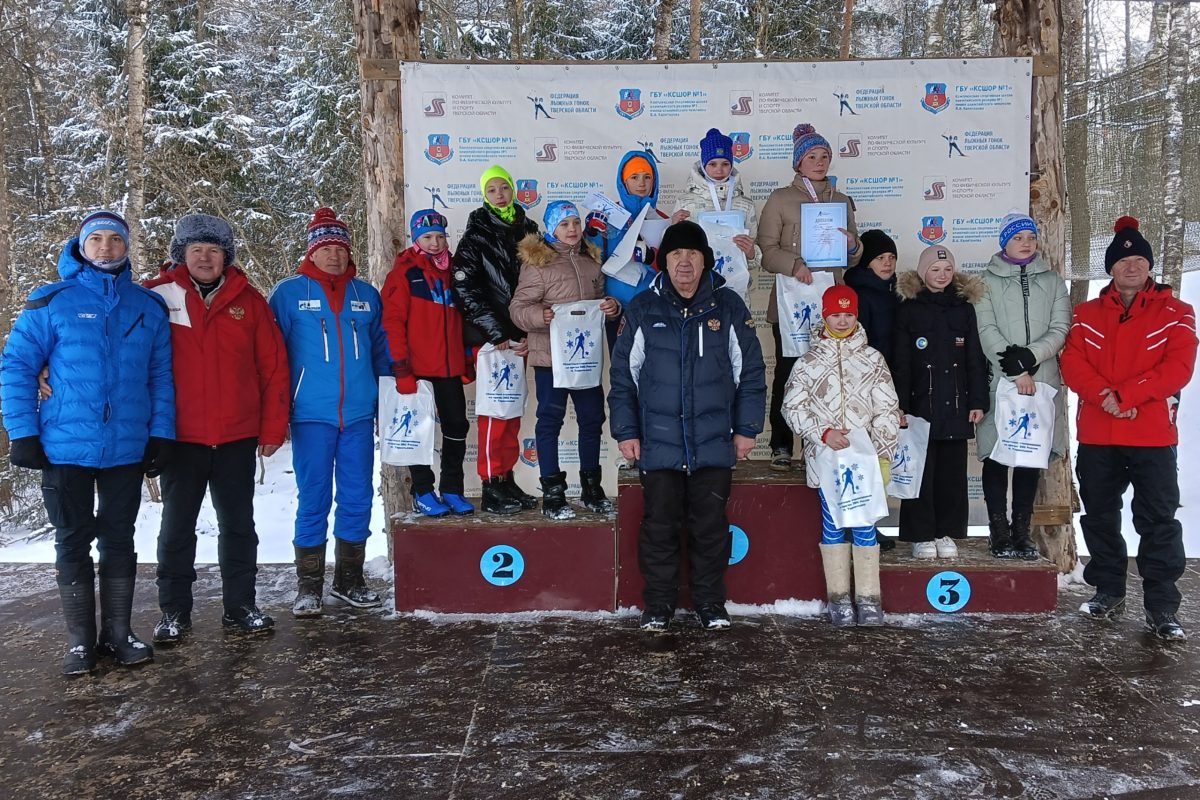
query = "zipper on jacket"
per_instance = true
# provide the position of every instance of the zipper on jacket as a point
(700, 338)
(1025, 300)
(955, 370)
(136, 322)
(299, 381)
(687, 459)
(325, 339)
(437, 282)
(107, 412)
(354, 329)
(929, 369)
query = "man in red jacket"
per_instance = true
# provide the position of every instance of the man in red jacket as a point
(1129, 354)
(231, 390)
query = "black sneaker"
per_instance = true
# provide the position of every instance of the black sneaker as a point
(657, 618)
(713, 616)
(173, 626)
(781, 461)
(1103, 606)
(886, 543)
(1164, 625)
(248, 619)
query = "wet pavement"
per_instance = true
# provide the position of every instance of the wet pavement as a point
(369, 705)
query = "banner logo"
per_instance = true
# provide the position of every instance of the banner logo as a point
(547, 150)
(935, 100)
(741, 103)
(434, 104)
(538, 107)
(952, 145)
(741, 146)
(435, 197)
(932, 230)
(849, 144)
(529, 452)
(527, 193)
(579, 343)
(439, 151)
(934, 187)
(844, 106)
(630, 103)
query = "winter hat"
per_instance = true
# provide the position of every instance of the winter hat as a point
(839, 299)
(805, 138)
(103, 221)
(495, 171)
(1013, 224)
(202, 229)
(684, 235)
(715, 145)
(934, 254)
(874, 244)
(635, 165)
(1128, 242)
(326, 229)
(426, 221)
(556, 212)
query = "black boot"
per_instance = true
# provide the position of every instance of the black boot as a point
(554, 497)
(116, 606)
(999, 539)
(348, 583)
(1022, 542)
(79, 610)
(593, 496)
(518, 494)
(310, 581)
(496, 498)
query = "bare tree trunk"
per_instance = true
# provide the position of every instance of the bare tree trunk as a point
(1078, 77)
(135, 130)
(1033, 28)
(662, 30)
(385, 29)
(201, 20)
(1160, 24)
(1128, 32)
(518, 25)
(1172, 145)
(6, 302)
(694, 23)
(847, 29)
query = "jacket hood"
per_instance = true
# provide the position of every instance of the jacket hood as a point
(634, 204)
(1002, 269)
(969, 287)
(71, 263)
(536, 252)
(861, 277)
(698, 183)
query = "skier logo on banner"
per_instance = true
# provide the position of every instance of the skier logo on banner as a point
(630, 104)
(936, 99)
(933, 230)
(527, 193)
(439, 150)
(741, 146)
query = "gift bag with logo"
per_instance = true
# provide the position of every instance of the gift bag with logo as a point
(729, 260)
(1024, 425)
(799, 306)
(852, 482)
(908, 465)
(577, 344)
(500, 386)
(407, 424)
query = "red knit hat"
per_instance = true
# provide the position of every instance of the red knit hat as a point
(326, 228)
(839, 299)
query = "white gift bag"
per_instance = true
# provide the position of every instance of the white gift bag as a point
(407, 424)
(730, 261)
(799, 306)
(1024, 425)
(852, 482)
(577, 344)
(908, 465)
(500, 386)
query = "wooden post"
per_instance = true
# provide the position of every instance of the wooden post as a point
(1078, 73)
(6, 307)
(385, 29)
(135, 130)
(694, 24)
(1033, 28)
(847, 30)
(662, 30)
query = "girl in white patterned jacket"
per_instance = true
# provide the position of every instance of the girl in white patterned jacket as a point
(840, 384)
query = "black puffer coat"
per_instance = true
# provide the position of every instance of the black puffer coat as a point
(486, 271)
(938, 365)
(877, 302)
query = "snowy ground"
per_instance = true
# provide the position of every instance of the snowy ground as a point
(275, 503)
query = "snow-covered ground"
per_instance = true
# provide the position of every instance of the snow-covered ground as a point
(275, 501)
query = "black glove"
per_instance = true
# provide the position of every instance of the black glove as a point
(27, 452)
(157, 455)
(1015, 360)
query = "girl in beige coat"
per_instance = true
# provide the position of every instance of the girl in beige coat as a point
(560, 268)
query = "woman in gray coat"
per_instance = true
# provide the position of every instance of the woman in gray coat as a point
(1023, 323)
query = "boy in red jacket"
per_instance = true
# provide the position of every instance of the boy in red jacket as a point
(425, 338)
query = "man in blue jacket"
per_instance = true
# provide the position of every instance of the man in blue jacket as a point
(110, 420)
(336, 348)
(688, 398)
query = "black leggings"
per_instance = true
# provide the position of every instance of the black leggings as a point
(995, 488)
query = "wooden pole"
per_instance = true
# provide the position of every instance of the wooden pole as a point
(694, 23)
(847, 29)
(135, 131)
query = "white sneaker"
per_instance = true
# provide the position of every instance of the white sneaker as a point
(924, 550)
(946, 548)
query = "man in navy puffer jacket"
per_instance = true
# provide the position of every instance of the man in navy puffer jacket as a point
(688, 397)
(110, 420)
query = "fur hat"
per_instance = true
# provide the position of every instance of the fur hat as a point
(805, 138)
(1128, 242)
(202, 229)
(934, 254)
(715, 145)
(1013, 224)
(326, 229)
(839, 299)
(685, 235)
(874, 244)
